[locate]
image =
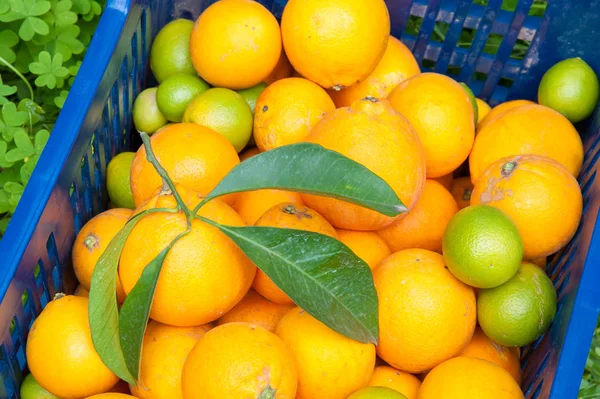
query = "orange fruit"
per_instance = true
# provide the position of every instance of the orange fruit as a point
(323, 357)
(445, 180)
(282, 70)
(250, 152)
(371, 133)
(251, 205)
(367, 245)
(540, 196)
(540, 262)
(482, 110)
(156, 331)
(111, 396)
(432, 102)
(466, 377)
(60, 352)
(83, 292)
(239, 360)
(462, 188)
(91, 242)
(528, 129)
(397, 65)
(287, 110)
(499, 110)
(257, 310)
(235, 44)
(201, 263)
(290, 216)
(192, 155)
(481, 347)
(405, 383)
(422, 302)
(335, 43)
(425, 224)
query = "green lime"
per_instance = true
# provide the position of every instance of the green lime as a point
(30, 389)
(146, 115)
(117, 180)
(224, 111)
(376, 393)
(520, 310)
(473, 102)
(571, 88)
(176, 92)
(251, 95)
(170, 53)
(482, 246)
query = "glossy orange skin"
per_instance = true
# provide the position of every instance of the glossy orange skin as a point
(500, 109)
(367, 245)
(110, 396)
(251, 205)
(156, 331)
(282, 70)
(405, 383)
(462, 188)
(483, 109)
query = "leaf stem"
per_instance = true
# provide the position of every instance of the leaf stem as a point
(20, 75)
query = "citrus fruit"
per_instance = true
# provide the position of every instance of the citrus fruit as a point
(251, 205)
(431, 102)
(473, 102)
(287, 111)
(239, 360)
(92, 240)
(111, 396)
(499, 110)
(466, 377)
(84, 292)
(540, 196)
(155, 331)
(60, 352)
(423, 227)
(176, 92)
(481, 347)
(462, 188)
(397, 65)
(376, 393)
(193, 155)
(542, 261)
(445, 180)
(118, 180)
(250, 95)
(30, 389)
(282, 70)
(257, 310)
(371, 133)
(520, 310)
(250, 152)
(405, 383)
(199, 264)
(482, 110)
(235, 44)
(335, 43)
(367, 245)
(146, 115)
(482, 246)
(571, 88)
(422, 302)
(527, 129)
(323, 357)
(170, 52)
(223, 111)
(290, 216)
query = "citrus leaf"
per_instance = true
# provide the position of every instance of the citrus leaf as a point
(319, 273)
(310, 168)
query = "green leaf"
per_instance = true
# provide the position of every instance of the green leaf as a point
(37, 7)
(4, 205)
(13, 187)
(82, 6)
(49, 69)
(8, 40)
(23, 141)
(27, 169)
(13, 117)
(4, 7)
(310, 168)
(40, 140)
(17, 154)
(60, 99)
(319, 273)
(63, 14)
(31, 26)
(5, 91)
(4, 164)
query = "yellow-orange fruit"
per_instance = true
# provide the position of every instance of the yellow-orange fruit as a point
(367, 245)
(500, 109)
(405, 383)
(251, 205)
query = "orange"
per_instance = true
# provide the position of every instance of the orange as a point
(256, 310)
(335, 43)
(422, 302)
(424, 226)
(235, 44)
(201, 263)
(330, 365)
(367, 245)
(445, 180)
(462, 188)
(83, 292)
(250, 152)
(540, 262)
(528, 129)
(466, 377)
(482, 110)
(91, 242)
(282, 70)
(287, 110)
(290, 216)
(540, 196)
(111, 396)
(156, 331)
(251, 205)
(433, 102)
(60, 352)
(371, 133)
(499, 110)
(397, 65)
(481, 347)
(192, 155)
(239, 360)
(405, 383)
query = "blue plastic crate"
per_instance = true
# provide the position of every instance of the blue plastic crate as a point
(68, 188)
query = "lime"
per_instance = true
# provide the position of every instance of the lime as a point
(224, 111)
(520, 310)
(482, 109)
(571, 88)
(250, 95)
(175, 93)
(170, 53)
(482, 246)
(30, 389)
(146, 115)
(376, 393)
(117, 180)
(473, 101)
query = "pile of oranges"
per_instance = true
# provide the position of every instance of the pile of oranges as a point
(330, 74)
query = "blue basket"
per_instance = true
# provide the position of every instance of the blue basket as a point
(68, 188)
